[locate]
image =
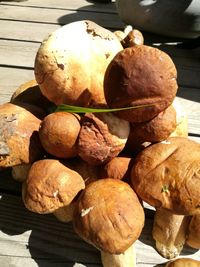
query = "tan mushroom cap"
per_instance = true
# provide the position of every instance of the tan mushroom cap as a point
(102, 137)
(140, 75)
(58, 134)
(70, 64)
(19, 140)
(183, 262)
(193, 233)
(117, 168)
(109, 215)
(166, 175)
(50, 185)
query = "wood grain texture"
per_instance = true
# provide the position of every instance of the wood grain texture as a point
(26, 239)
(29, 239)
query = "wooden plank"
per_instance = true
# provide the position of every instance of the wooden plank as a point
(23, 54)
(58, 16)
(10, 79)
(63, 4)
(26, 240)
(38, 31)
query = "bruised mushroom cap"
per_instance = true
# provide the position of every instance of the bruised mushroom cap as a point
(58, 134)
(19, 140)
(183, 262)
(166, 175)
(140, 75)
(109, 215)
(70, 64)
(193, 233)
(102, 137)
(50, 185)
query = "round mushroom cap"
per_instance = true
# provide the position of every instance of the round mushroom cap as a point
(140, 75)
(102, 137)
(117, 168)
(166, 175)
(155, 130)
(183, 262)
(49, 186)
(58, 134)
(193, 233)
(19, 140)
(70, 64)
(109, 215)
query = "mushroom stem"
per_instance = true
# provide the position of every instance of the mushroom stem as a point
(126, 259)
(169, 232)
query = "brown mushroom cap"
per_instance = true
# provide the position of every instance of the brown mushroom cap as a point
(19, 140)
(102, 137)
(166, 175)
(193, 233)
(140, 75)
(183, 262)
(109, 215)
(58, 134)
(155, 130)
(50, 185)
(70, 64)
(117, 168)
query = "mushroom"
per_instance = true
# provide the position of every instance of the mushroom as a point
(49, 186)
(109, 216)
(102, 137)
(19, 140)
(88, 173)
(193, 232)
(129, 37)
(20, 172)
(165, 175)
(140, 75)
(29, 96)
(183, 262)
(155, 130)
(117, 168)
(58, 134)
(70, 64)
(169, 232)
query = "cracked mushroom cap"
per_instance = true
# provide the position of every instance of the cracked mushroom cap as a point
(70, 64)
(109, 215)
(19, 140)
(49, 186)
(166, 175)
(102, 137)
(140, 75)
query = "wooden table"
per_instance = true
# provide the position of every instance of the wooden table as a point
(40, 240)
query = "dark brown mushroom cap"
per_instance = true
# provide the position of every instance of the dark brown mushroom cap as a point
(109, 215)
(140, 75)
(183, 262)
(19, 140)
(166, 175)
(50, 185)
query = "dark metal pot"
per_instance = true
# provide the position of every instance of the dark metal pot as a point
(179, 18)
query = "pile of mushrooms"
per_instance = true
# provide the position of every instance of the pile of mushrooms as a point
(97, 169)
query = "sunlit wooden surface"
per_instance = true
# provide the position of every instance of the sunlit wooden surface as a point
(28, 239)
